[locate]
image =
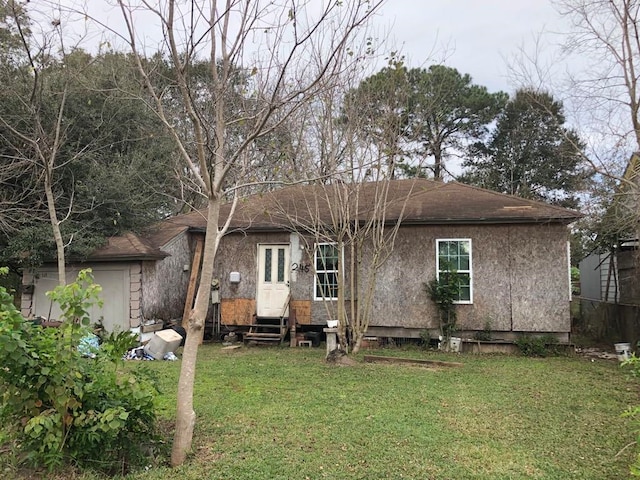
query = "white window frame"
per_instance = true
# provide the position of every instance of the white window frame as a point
(317, 272)
(469, 272)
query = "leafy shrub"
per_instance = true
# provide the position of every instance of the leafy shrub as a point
(62, 407)
(117, 343)
(486, 334)
(537, 346)
(633, 412)
(444, 292)
(425, 338)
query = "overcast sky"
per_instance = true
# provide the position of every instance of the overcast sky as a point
(477, 37)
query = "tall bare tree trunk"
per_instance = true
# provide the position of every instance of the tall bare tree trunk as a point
(185, 414)
(437, 166)
(353, 278)
(55, 228)
(219, 124)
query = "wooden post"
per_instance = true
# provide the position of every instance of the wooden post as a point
(193, 279)
(292, 328)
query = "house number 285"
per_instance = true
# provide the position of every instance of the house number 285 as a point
(300, 267)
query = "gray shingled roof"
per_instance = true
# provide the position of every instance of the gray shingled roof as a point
(128, 247)
(416, 201)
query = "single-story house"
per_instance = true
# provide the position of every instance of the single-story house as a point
(278, 257)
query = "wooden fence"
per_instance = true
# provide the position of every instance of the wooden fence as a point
(605, 322)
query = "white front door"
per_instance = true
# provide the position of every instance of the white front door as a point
(273, 280)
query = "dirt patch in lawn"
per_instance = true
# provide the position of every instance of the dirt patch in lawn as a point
(412, 361)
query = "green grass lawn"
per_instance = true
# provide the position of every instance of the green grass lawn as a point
(282, 413)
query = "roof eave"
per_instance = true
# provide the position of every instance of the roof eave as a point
(415, 222)
(489, 220)
(122, 257)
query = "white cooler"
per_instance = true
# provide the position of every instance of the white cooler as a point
(163, 342)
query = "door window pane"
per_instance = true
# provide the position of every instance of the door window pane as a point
(267, 265)
(281, 265)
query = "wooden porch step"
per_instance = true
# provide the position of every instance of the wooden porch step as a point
(272, 340)
(267, 330)
(262, 334)
(266, 325)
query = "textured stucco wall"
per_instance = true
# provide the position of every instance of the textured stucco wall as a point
(239, 253)
(164, 282)
(540, 279)
(520, 277)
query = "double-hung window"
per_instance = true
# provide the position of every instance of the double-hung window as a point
(454, 254)
(326, 266)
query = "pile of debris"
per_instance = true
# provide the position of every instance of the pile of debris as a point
(596, 353)
(138, 353)
(161, 346)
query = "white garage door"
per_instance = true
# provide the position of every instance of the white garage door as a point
(115, 295)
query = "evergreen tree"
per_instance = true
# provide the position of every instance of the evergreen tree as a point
(531, 153)
(449, 112)
(418, 116)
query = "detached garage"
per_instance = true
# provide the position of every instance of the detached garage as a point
(116, 294)
(141, 278)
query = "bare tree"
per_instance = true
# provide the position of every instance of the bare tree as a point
(272, 43)
(19, 187)
(605, 35)
(350, 214)
(350, 228)
(595, 74)
(35, 132)
(608, 90)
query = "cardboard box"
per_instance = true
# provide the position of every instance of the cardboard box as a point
(163, 342)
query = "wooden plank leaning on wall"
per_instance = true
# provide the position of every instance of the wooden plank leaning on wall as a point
(193, 280)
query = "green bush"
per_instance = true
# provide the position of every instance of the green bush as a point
(425, 338)
(444, 292)
(62, 407)
(633, 413)
(485, 334)
(537, 346)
